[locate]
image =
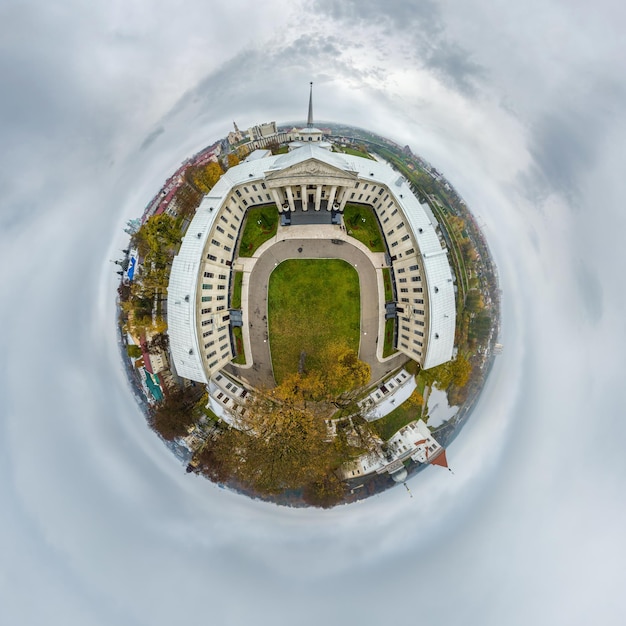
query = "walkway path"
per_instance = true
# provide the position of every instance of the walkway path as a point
(310, 242)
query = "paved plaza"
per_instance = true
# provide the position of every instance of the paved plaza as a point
(310, 242)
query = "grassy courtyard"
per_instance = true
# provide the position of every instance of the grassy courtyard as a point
(235, 302)
(362, 224)
(261, 224)
(312, 303)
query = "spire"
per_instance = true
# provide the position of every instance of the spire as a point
(309, 121)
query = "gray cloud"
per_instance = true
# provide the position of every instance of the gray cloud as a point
(99, 523)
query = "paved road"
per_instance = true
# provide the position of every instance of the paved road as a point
(255, 292)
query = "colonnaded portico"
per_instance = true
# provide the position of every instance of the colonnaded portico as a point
(303, 242)
(310, 187)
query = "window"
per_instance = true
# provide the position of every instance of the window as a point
(365, 187)
(222, 276)
(400, 225)
(400, 271)
(208, 344)
(206, 322)
(208, 275)
(418, 311)
(410, 251)
(238, 193)
(263, 186)
(206, 298)
(207, 286)
(205, 311)
(404, 290)
(419, 332)
(245, 189)
(394, 211)
(207, 333)
(219, 229)
(385, 220)
(394, 244)
(245, 202)
(221, 287)
(227, 248)
(231, 237)
(402, 280)
(413, 268)
(390, 233)
(405, 237)
(419, 322)
(381, 191)
(254, 188)
(212, 364)
(220, 308)
(418, 301)
(404, 299)
(220, 298)
(417, 343)
(211, 257)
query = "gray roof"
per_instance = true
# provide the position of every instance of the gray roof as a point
(181, 306)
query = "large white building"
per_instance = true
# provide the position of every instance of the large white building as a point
(310, 178)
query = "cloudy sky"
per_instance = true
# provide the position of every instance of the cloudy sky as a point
(521, 105)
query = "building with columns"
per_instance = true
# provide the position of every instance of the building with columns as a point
(314, 180)
(310, 185)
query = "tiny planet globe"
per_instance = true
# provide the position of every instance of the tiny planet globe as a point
(307, 315)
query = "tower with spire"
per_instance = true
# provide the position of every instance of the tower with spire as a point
(309, 121)
(309, 134)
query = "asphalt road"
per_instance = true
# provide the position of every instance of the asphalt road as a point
(260, 374)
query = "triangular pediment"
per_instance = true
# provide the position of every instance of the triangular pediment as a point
(309, 171)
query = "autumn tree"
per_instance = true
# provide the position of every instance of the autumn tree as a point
(173, 416)
(159, 343)
(324, 492)
(455, 372)
(281, 441)
(204, 177)
(232, 159)
(343, 373)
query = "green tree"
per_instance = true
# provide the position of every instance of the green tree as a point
(473, 301)
(133, 351)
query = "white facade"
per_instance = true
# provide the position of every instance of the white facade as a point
(309, 178)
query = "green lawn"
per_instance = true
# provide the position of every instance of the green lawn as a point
(390, 424)
(235, 302)
(312, 303)
(388, 348)
(387, 283)
(240, 359)
(359, 153)
(362, 224)
(261, 224)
